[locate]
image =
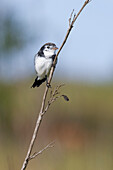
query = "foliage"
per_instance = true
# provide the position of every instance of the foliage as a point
(12, 34)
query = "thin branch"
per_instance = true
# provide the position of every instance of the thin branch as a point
(71, 17)
(40, 116)
(50, 145)
(53, 96)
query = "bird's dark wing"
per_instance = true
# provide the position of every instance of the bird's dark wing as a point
(53, 57)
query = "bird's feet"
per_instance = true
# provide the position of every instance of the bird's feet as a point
(48, 85)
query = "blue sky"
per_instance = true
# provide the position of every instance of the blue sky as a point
(88, 53)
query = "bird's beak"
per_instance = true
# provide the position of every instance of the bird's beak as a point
(55, 48)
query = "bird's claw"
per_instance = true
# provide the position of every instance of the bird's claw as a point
(48, 85)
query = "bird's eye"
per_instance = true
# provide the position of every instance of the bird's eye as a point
(48, 47)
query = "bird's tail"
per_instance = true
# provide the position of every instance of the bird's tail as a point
(37, 82)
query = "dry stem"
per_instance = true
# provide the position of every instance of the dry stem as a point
(50, 145)
(40, 116)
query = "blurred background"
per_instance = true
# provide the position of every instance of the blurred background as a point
(83, 127)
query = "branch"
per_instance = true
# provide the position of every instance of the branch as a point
(71, 17)
(54, 95)
(40, 116)
(50, 145)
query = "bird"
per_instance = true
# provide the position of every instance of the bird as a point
(43, 61)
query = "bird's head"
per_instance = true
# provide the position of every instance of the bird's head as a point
(49, 49)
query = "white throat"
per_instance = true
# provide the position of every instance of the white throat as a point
(49, 53)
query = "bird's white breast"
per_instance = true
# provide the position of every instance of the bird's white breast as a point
(42, 66)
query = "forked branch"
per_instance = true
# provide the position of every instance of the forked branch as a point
(43, 109)
(54, 95)
(50, 145)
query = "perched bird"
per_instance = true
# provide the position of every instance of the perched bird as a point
(43, 62)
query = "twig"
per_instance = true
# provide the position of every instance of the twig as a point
(50, 145)
(40, 116)
(54, 96)
(71, 17)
